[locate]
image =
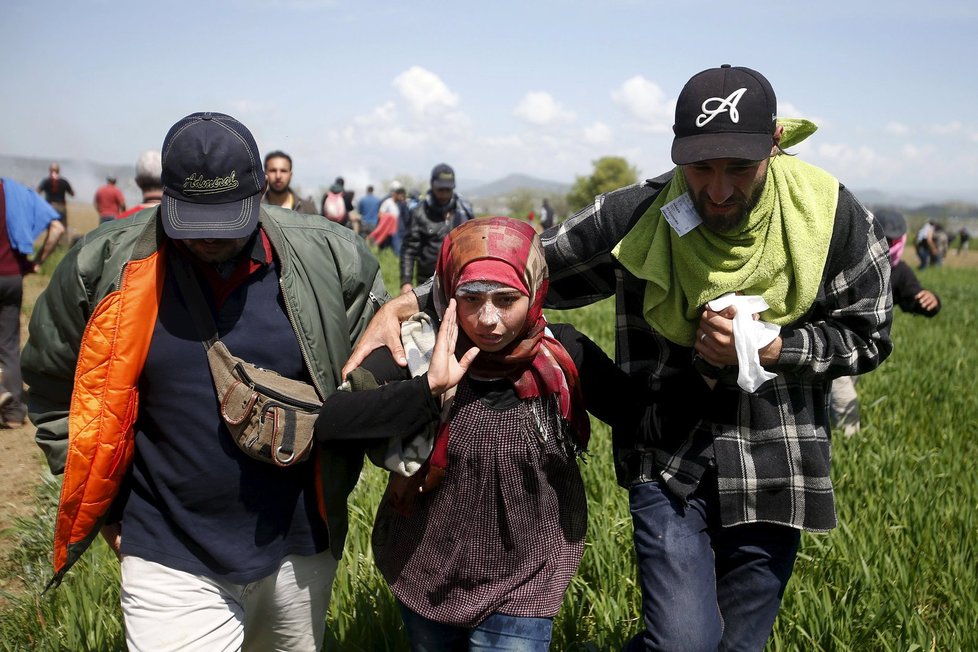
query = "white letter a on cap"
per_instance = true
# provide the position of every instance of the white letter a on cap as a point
(730, 103)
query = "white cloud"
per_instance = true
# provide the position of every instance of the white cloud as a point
(384, 114)
(849, 156)
(861, 166)
(421, 117)
(896, 128)
(911, 152)
(540, 108)
(598, 134)
(511, 141)
(789, 110)
(645, 102)
(947, 128)
(424, 91)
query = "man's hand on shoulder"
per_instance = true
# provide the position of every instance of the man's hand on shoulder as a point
(384, 330)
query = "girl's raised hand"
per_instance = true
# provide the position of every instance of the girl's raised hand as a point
(444, 371)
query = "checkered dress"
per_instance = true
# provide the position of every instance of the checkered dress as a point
(770, 449)
(504, 532)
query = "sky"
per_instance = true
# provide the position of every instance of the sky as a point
(378, 90)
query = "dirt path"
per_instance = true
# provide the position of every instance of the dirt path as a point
(21, 465)
(21, 468)
(21, 461)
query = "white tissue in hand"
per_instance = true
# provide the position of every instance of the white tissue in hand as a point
(750, 335)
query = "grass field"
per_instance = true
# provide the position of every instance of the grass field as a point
(900, 573)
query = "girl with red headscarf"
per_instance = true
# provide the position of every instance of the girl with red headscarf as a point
(479, 536)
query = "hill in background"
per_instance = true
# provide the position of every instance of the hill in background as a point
(513, 182)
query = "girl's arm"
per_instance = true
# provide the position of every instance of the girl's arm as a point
(609, 393)
(387, 402)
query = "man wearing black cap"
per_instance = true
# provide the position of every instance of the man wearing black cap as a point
(219, 550)
(718, 505)
(732, 459)
(908, 293)
(440, 212)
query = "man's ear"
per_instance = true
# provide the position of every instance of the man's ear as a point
(778, 130)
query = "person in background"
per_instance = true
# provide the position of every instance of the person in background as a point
(482, 556)
(339, 187)
(926, 246)
(218, 550)
(388, 218)
(546, 215)
(149, 169)
(413, 199)
(440, 212)
(335, 206)
(907, 293)
(23, 217)
(109, 202)
(368, 208)
(964, 238)
(721, 482)
(403, 219)
(278, 171)
(941, 244)
(55, 190)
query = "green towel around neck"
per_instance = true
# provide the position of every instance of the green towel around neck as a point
(779, 254)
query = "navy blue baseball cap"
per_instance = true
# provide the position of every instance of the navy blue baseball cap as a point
(442, 176)
(213, 178)
(725, 112)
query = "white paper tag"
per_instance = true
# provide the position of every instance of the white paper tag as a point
(681, 215)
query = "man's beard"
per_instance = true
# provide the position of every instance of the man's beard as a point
(730, 222)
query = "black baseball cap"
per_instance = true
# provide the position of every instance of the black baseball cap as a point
(893, 222)
(442, 176)
(725, 112)
(213, 178)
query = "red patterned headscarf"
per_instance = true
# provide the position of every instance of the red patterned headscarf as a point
(535, 363)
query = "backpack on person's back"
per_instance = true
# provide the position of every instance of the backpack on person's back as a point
(334, 207)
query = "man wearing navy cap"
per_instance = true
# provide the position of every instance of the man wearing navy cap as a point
(219, 550)
(732, 460)
(441, 211)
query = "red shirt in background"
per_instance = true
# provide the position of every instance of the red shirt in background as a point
(109, 201)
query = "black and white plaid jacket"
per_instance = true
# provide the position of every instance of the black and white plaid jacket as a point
(771, 449)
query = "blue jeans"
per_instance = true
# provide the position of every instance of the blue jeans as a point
(706, 587)
(926, 257)
(497, 632)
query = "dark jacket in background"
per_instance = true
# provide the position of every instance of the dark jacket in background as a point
(429, 225)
